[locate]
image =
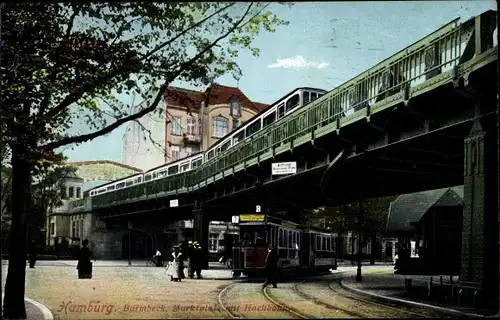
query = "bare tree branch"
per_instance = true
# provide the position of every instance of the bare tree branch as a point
(152, 107)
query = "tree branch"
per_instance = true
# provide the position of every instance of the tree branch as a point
(73, 97)
(163, 45)
(152, 107)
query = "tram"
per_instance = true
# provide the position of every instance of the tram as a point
(301, 251)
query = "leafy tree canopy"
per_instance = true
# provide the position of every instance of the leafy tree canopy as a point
(68, 63)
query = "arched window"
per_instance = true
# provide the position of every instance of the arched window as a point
(219, 127)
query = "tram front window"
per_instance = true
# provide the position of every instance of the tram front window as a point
(254, 236)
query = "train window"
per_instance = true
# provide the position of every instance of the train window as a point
(323, 244)
(225, 146)
(253, 128)
(210, 155)
(129, 183)
(147, 177)
(196, 163)
(184, 166)
(281, 110)
(290, 239)
(292, 102)
(173, 170)
(305, 97)
(318, 242)
(120, 185)
(281, 241)
(314, 96)
(162, 174)
(110, 188)
(139, 180)
(285, 239)
(238, 137)
(155, 175)
(270, 118)
(329, 243)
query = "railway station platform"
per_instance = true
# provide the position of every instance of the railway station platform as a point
(396, 289)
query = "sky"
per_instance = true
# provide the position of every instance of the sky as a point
(325, 45)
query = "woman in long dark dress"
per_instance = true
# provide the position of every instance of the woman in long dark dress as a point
(84, 264)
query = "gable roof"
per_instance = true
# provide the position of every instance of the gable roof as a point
(411, 207)
(214, 94)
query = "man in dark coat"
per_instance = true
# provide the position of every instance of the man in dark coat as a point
(195, 259)
(32, 252)
(84, 265)
(271, 267)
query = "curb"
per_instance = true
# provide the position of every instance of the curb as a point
(409, 303)
(47, 314)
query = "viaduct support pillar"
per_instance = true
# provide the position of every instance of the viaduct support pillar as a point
(479, 270)
(200, 225)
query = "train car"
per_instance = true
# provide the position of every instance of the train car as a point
(300, 251)
(319, 251)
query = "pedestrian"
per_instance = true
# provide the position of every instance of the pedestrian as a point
(32, 249)
(271, 267)
(176, 265)
(157, 258)
(84, 265)
(195, 261)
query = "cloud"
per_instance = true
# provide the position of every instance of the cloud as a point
(298, 63)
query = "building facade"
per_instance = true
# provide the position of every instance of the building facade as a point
(190, 122)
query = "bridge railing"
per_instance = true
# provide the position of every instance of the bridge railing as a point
(387, 83)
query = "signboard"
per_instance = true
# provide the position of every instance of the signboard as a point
(282, 168)
(258, 209)
(235, 219)
(174, 203)
(252, 217)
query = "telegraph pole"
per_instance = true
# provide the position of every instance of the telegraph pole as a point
(129, 250)
(359, 278)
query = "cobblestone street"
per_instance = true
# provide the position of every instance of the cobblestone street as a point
(120, 292)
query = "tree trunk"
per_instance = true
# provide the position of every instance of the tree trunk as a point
(13, 307)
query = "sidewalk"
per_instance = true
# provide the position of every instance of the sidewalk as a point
(390, 288)
(35, 310)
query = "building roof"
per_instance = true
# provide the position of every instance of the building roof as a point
(214, 94)
(411, 207)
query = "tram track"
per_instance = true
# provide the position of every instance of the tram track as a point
(317, 297)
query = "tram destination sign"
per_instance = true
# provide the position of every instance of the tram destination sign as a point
(252, 217)
(282, 168)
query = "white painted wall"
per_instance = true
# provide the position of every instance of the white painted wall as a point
(138, 150)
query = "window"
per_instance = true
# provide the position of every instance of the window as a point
(78, 192)
(290, 239)
(269, 119)
(175, 152)
(305, 98)
(235, 106)
(176, 126)
(64, 194)
(53, 228)
(213, 242)
(219, 127)
(292, 102)
(71, 192)
(173, 170)
(236, 123)
(73, 229)
(190, 126)
(238, 137)
(192, 150)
